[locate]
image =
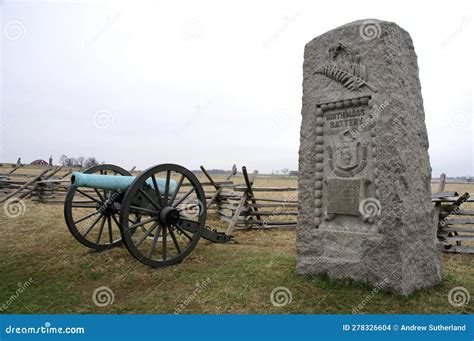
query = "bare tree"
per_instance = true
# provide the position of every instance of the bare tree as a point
(90, 161)
(73, 162)
(65, 161)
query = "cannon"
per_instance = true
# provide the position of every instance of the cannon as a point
(159, 215)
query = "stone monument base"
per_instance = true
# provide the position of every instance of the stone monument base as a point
(369, 258)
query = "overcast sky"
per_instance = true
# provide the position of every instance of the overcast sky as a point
(205, 82)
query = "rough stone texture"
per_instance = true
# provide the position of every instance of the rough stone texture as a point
(364, 141)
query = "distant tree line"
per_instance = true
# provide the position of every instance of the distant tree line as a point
(284, 171)
(81, 161)
(460, 178)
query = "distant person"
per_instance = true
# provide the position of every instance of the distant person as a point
(50, 160)
(18, 162)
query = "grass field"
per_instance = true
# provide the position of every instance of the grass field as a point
(62, 274)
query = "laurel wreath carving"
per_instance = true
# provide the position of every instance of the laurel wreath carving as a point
(351, 75)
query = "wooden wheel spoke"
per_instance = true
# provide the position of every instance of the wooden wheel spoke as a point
(88, 196)
(86, 217)
(157, 189)
(99, 195)
(153, 243)
(141, 209)
(137, 220)
(83, 205)
(141, 223)
(116, 221)
(163, 242)
(89, 229)
(183, 198)
(178, 186)
(175, 242)
(145, 194)
(100, 230)
(167, 188)
(109, 225)
(184, 232)
(147, 233)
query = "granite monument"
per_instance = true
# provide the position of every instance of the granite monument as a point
(365, 210)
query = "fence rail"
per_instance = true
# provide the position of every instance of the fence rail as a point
(454, 233)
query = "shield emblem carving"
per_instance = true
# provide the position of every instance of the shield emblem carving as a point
(347, 155)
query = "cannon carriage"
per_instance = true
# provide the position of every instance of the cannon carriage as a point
(159, 215)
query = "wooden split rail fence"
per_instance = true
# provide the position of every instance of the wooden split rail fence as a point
(245, 206)
(248, 206)
(454, 219)
(23, 186)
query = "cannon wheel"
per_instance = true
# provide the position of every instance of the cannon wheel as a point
(171, 221)
(86, 218)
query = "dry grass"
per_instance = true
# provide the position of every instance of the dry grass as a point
(241, 276)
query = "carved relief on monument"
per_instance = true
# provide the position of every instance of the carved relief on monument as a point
(344, 66)
(345, 149)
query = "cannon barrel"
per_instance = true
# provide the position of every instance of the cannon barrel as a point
(115, 183)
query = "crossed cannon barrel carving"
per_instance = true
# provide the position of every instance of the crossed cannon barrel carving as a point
(159, 215)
